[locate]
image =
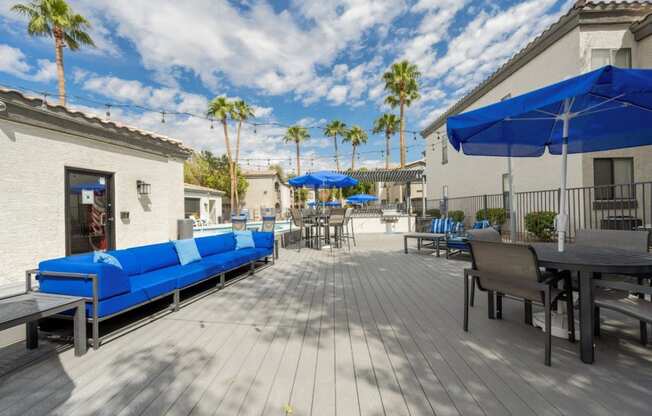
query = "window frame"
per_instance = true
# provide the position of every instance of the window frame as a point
(611, 191)
(612, 56)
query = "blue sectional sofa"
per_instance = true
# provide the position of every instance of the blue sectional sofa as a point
(148, 273)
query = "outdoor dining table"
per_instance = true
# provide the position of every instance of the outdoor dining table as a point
(590, 263)
(319, 220)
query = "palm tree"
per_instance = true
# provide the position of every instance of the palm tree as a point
(55, 18)
(387, 124)
(220, 108)
(357, 136)
(402, 83)
(241, 111)
(332, 129)
(297, 134)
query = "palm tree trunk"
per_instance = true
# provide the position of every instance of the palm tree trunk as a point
(58, 50)
(230, 159)
(353, 159)
(237, 159)
(401, 133)
(298, 160)
(337, 154)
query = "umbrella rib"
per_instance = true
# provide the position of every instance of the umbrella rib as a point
(626, 103)
(608, 100)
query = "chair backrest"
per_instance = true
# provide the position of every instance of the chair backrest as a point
(297, 218)
(348, 213)
(623, 239)
(239, 223)
(484, 234)
(337, 216)
(269, 222)
(511, 268)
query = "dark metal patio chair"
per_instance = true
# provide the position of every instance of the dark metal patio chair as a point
(239, 223)
(304, 227)
(269, 222)
(512, 271)
(613, 292)
(337, 220)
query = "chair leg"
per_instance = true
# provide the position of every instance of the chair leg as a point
(472, 291)
(466, 302)
(643, 327)
(490, 304)
(570, 312)
(499, 305)
(528, 312)
(596, 321)
(548, 311)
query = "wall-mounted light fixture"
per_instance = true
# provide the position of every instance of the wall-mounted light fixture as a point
(143, 188)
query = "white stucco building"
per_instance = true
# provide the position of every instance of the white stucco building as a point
(266, 190)
(71, 183)
(589, 36)
(203, 203)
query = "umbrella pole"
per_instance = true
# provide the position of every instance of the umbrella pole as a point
(512, 211)
(562, 218)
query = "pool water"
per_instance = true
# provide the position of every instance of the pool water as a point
(281, 226)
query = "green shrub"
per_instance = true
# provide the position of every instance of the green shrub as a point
(457, 216)
(496, 216)
(541, 224)
(434, 213)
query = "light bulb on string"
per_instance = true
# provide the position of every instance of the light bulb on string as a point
(212, 126)
(162, 117)
(108, 112)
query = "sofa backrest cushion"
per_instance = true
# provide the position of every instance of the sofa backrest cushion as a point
(263, 239)
(128, 260)
(155, 256)
(215, 244)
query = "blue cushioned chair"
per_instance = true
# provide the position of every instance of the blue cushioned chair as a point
(148, 273)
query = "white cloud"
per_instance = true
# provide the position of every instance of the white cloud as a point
(14, 62)
(337, 94)
(257, 47)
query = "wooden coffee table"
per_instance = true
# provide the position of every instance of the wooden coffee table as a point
(28, 308)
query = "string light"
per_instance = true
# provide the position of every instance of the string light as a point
(108, 112)
(212, 126)
(163, 117)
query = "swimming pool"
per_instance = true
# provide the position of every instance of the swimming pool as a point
(280, 227)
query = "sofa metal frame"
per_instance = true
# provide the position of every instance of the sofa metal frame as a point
(95, 320)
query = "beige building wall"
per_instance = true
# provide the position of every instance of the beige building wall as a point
(32, 191)
(475, 175)
(263, 192)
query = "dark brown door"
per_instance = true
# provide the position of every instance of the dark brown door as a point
(89, 211)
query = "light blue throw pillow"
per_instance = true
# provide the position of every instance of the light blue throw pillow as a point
(187, 251)
(102, 257)
(244, 239)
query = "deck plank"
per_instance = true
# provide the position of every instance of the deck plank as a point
(368, 332)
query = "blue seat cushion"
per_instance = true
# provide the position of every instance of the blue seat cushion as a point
(234, 259)
(155, 256)
(156, 283)
(117, 303)
(460, 243)
(215, 244)
(194, 272)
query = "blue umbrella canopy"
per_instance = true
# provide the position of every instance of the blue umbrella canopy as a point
(609, 108)
(324, 179)
(333, 203)
(361, 198)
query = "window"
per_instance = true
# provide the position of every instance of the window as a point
(192, 207)
(617, 57)
(444, 151)
(610, 175)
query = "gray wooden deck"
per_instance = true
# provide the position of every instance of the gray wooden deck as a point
(371, 332)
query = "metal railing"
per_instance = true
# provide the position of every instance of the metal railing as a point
(613, 207)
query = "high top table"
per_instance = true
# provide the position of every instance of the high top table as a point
(590, 263)
(28, 308)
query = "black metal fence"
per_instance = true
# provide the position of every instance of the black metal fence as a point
(614, 207)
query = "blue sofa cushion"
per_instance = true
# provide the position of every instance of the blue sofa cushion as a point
(186, 251)
(111, 280)
(194, 272)
(263, 239)
(157, 282)
(128, 260)
(232, 259)
(215, 244)
(155, 256)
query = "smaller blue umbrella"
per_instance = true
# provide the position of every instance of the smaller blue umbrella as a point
(323, 179)
(333, 204)
(361, 199)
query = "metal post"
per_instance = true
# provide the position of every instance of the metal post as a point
(408, 204)
(423, 195)
(484, 207)
(562, 218)
(512, 211)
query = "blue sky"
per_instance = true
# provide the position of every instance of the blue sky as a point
(297, 61)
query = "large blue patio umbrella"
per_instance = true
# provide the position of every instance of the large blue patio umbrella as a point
(361, 199)
(323, 180)
(609, 108)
